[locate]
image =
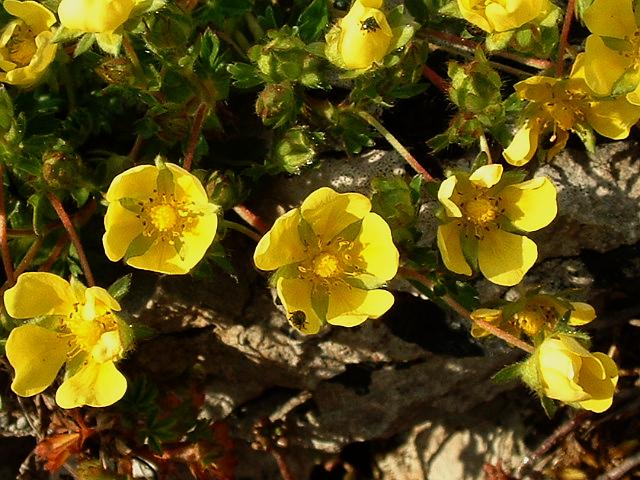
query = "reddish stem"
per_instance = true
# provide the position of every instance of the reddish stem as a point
(73, 235)
(57, 250)
(564, 37)
(431, 75)
(455, 306)
(29, 256)
(251, 218)
(4, 239)
(282, 465)
(196, 129)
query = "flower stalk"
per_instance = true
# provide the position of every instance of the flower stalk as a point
(196, 130)
(73, 235)
(564, 36)
(251, 218)
(4, 239)
(410, 159)
(460, 310)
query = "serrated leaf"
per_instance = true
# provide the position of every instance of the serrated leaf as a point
(120, 287)
(245, 75)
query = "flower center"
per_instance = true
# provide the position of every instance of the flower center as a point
(530, 321)
(163, 217)
(326, 265)
(22, 45)
(98, 336)
(481, 211)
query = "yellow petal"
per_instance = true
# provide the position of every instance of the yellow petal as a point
(329, 212)
(39, 293)
(198, 239)
(281, 245)
(101, 301)
(610, 18)
(472, 15)
(445, 192)
(486, 176)
(137, 182)
(36, 354)
(35, 15)
(613, 118)
(602, 65)
(350, 306)
(489, 315)
(187, 186)
(530, 205)
(378, 252)
(537, 89)
(94, 16)
(504, 258)
(513, 14)
(162, 258)
(295, 295)
(598, 376)
(524, 144)
(95, 385)
(121, 228)
(634, 97)
(581, 314)
(451, 249)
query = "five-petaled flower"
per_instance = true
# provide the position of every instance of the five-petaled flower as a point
(570, 373)
(25, 43)
(362, 37)
(76, 325)
(482, 216)
(331, 255)
(502, 15)
(613, 49)
(159, 218)
(533, 314)
(558, 106)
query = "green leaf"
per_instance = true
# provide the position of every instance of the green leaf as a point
(164, 182)
(313, 20)
(549, 406)
(84, 44)
(120, 287)
(139, 246)
(245, 75)
(508, 373)
(320, 302)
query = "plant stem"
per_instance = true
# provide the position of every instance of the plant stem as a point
(196, 129)
(29, 256)
(410, 159)
(242, 229)
(133, 57)
(564, 36)
(282, 465)
(73, 235)
(251, 218)
(55, 254)
(470, 46)
(460, 310)
(431, 75)
(135, 149)
(4, 239)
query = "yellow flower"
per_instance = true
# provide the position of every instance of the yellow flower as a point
(482, 215)
(79, 328)
(570, 373)
(25, 43)
(331, 255)
(159, 218)
(532, 315)
(94, 16)
(502, 15)
(614, 47)
(362, 37)
(559, 106)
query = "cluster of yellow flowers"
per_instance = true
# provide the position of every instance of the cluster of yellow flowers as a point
(332, 256)
(26, 43)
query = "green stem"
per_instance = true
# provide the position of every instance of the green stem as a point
(241, 228)
(410, 159)
(254, 26)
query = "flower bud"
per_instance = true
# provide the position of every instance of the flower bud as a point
(224, 189)
(570, 373)
(276, 104)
